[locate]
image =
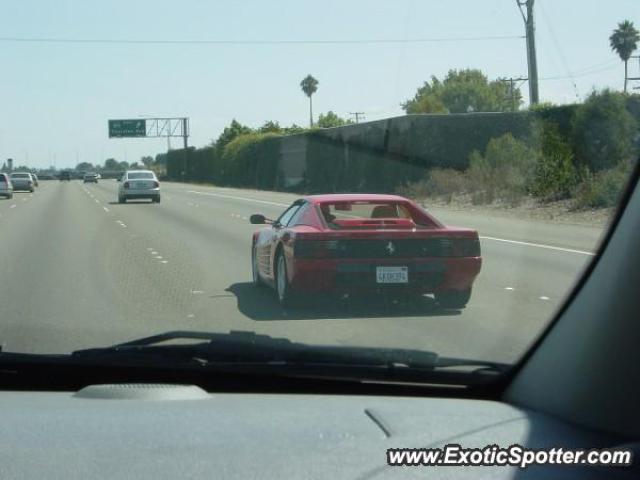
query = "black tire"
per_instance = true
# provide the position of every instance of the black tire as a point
(453, 298)
(257, 281)
(122, 200)
(286, 297)
(157, 199)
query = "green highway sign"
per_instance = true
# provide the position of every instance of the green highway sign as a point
(127, 128)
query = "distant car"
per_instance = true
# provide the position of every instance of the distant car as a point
(22, 181)
(35, 180)
(139, 184)
(6, 187)
(348, 243)
(98, 176)
(65, 176)
(90, 178)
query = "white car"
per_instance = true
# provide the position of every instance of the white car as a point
(6, 187)
(22, 181)
(139, 184)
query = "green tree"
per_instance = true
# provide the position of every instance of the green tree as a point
(462, 91)
(84, 167)
(604, 131)
(235, 129)
(309, 86)
(123, 165)
(293, 129)
(111, 164)
(147, 161)
(330, 119)
(270, 127)
(623, 41)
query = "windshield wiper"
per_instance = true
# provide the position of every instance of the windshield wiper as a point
(242, 348)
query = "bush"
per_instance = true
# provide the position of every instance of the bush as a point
(439, 182)
(505, 171)
(604, 131)
(602, 189)
(251, 160)
(555, 174)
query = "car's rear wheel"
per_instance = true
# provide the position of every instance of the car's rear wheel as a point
(453, 298)
(283, 288)
(156, 199)
(122, 199)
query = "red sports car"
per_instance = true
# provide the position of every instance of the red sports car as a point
(347, 243)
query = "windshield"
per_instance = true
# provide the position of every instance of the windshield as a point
(452, 169)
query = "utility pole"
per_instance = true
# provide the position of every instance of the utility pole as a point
(633, 78)
(357, 115)
(512, 89)
(532, 62)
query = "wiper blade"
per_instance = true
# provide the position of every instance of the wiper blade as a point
(249, 348)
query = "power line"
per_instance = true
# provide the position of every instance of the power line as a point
(357, 115)
(157, 41)
(559, 50)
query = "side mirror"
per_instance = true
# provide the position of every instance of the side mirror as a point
(257, 219)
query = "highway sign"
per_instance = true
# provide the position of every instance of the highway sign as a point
(127, 128)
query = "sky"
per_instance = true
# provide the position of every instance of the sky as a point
(56, 98)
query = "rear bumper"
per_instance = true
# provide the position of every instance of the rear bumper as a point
(22, 187)
(426, 275)
(154, 193)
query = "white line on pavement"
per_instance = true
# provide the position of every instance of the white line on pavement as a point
(13, 206)
(538, 245)
(544, 298)
(105, 209)
(239, 198)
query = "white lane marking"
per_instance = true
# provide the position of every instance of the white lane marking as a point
(544, 298)
(149, 249)
(105, 209)
(13, 206)
(538, 245)
(153, 252)
(197, 292)
(239, 198)
(164, 261)
(191, 315)
(508, 288)
(159, 257)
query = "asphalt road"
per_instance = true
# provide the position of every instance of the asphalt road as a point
(79, 270)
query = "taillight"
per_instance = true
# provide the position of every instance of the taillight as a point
(126, 185)
(465, 247)
(316, 248)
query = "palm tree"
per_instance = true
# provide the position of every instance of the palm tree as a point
(309, 86)
(624, 40)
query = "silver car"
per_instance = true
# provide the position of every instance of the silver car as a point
(6, 187)
(139, 184)
(22, 181)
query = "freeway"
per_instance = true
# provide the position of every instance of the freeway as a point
(79, 270)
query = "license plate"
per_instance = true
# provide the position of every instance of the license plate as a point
(392, 274)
